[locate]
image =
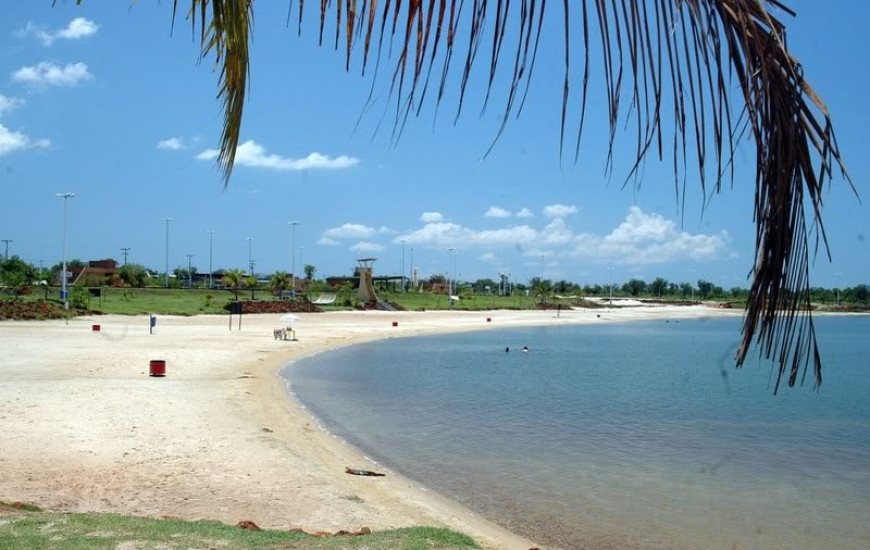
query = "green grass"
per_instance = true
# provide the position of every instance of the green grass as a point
(53, 531)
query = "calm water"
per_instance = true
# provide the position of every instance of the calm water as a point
(622, 436)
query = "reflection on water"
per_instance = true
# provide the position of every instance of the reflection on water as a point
(621, 436)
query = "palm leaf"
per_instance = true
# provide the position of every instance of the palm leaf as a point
(718, 69)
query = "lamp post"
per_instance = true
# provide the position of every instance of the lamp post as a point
(63, 275)
(210, 257)
(610, 269)
(403, 265)
(166, 272)
(250, 259)
(293, 225)
(411, 261)
(189, 274)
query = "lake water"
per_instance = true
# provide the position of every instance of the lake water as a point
(637, 435)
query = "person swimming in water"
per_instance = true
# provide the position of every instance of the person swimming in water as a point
(507, 349)
(525, 348)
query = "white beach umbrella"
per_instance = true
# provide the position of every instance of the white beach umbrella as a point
(288, 319)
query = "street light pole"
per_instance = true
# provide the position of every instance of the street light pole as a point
(166, 273)
(63, 275)
(250, 259)
(210, 257)
(6, 242)
(412, 266)
(301, 263)
(189, 274)
(403, 265)
(293, 225)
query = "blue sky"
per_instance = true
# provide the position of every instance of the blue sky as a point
(100, 100)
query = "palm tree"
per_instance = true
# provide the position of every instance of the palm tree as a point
(233, 279)
(714, 70)
(252, 283)
(279, 282)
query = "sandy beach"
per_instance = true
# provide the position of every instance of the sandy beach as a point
(86, 429)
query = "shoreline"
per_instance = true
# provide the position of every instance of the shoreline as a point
(221, 437)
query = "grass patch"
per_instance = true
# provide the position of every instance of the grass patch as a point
(51, 531)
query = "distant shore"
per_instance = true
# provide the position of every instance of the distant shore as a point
(219, 438)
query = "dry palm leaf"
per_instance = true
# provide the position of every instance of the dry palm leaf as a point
(693, 58)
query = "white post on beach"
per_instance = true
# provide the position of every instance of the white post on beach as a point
(63, 273)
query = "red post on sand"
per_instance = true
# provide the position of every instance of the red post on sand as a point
(395, 323)
(489, 319)
(95, 328)
(157, 367)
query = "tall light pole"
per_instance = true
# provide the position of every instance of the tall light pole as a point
(189, 274)
(450, 280)
(610, 269)
(693, 285)
(403, 264)
(301, 263)
(166, 272)
(250, 259)
(412, 266)
(293, 225)
(6, 242)
(210, 257)
(63, 275)
(838, 274)
(125, 251)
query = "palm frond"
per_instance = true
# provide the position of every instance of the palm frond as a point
(668, 60)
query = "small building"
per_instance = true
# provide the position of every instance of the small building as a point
(97, 271)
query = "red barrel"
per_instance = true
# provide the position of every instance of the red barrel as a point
(157, 367)
(489, 319)
(95, 328)
(395, 323)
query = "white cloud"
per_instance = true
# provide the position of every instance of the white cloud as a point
(353, 231)
(11, 141)
(446, 234)
(431, 217)
(365, 246)
(77, 28)
(497, 212)
(525, 213)
(326, 241)
(172, 144)
(9, 103)
(252, 154)
(48, 74)
(650, 239)
(488, 257)
(208, 154)
(559, 210)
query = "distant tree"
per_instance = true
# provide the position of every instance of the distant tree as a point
(437, 278)
(738, 293)
(233, 279)
(685, 290)
(309, 271)
(480, 285)
(279, 282)
(705, 288)
(862, 293)
(251, 283)
(133, 275)
(17, 273)
(635, 287)
(658, 287)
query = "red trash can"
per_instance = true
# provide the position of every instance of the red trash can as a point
(95, 328)
(395, 323)
(157, 367)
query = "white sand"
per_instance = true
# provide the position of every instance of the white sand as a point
(85, 429)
